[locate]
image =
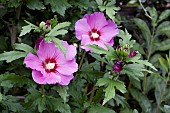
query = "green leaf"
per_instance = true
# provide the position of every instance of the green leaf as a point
(164, 63)
(13, 79)
(154, 14)
(111, 54)
(26, 29)
(102, 82)
(125, 39)
(163, 45)
(63, 108)
(24, 47)
(165, 14)
(139, 48)
(97, 108)
(35, 99)
(109, 93)
(1, 97)
(14, 3)
(83, 4)
(98, 57)
(128, 110)
(96, 49)
(62, 90)
(99, 2)
(58, 43)
(160, 89)
(134, 70)
(41, 104)
(146, 63)
(12, 55)
(110, 10)
(59, 32)
(120, 100)
(110, 89)
(142, 100)
(136, 83)
(12, 104)
(144, 29)
(35, 4)
(57, 29)
(163, 29)
(167, 108)
(58, 6)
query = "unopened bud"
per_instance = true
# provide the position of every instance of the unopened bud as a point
(75, 45)
(132, 54)
(117, 67)
(42, 24)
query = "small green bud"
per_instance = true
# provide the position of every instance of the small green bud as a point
(42, 25)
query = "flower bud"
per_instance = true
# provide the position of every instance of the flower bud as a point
(42, 24)
(132, 54)
(47, 26)
(117, 67)
(75, 45)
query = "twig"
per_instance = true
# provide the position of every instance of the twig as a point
(144, 10)
(81, 62)
(42, 88)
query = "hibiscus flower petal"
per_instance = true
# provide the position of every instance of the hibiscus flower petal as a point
(47, 50)
(71, 51)
(65, 80)
(52, 78)
(81, 27)
(109, 31)
(33, 62)
(111, 42)
(38, 77)
(96, 20)
(86, 40)
(68, 68)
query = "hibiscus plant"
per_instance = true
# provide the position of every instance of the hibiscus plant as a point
(83, 62)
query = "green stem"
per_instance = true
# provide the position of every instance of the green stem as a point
(148, 56)
(81, 61)
(92, 93)
(42, 88)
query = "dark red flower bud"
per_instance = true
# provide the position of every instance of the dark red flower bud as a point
(47, 24)
(37, 42)
(117, 67)
(132, 54)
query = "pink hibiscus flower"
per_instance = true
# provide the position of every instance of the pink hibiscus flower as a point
(50, 66)
(95, 29)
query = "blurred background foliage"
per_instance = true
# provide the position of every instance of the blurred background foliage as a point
(146, 20)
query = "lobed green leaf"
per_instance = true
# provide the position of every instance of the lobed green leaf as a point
(57, 30)
(24, 47)
(12, 55)
(58, 6)
(35, 4)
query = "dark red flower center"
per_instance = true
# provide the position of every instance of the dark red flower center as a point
(50, 65)
(94, 35)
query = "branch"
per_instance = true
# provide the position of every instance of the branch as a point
(144, 10)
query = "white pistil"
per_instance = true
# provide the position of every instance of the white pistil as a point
(50, 66)
(95, 35)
